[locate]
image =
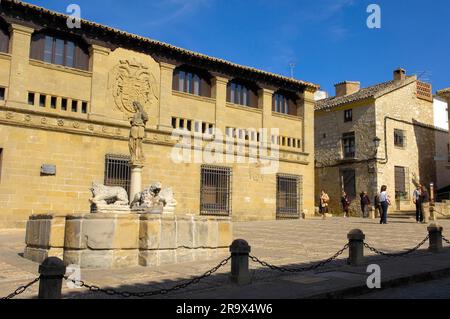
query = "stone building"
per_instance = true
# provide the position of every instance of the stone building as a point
(66, 98)
(380, 135)
(442, 157)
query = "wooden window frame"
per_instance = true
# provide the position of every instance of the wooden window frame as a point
(348, 116)
(5, 38)
(348, 137)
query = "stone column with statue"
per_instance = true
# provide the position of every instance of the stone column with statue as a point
(137, 135)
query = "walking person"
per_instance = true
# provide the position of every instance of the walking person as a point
(345, 201)
(324, 201)
(384, 203)
(425, 201)
(365, 203)
(417, 200)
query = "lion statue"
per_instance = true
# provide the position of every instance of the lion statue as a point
(155, 197)
(109, 195)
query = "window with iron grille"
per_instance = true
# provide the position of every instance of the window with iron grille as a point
(401, 183)
(288, 196)
(117, 171)
(348, 177)
(215, 192)
(348, 116)
(400, 138)
(348, 143)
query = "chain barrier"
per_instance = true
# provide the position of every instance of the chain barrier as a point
(127, 294)
(376, 251)
(446, 240)
(21, 289)
(303, 269)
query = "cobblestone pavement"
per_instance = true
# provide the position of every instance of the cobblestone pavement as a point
(278, 242)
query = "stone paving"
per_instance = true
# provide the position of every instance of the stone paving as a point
(281, 243)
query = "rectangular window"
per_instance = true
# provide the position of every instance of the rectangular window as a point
(348, 143)
(53, 101)
(70, 54)
(84, 107)
(117, 171)
(2, 94)
(401, 182)
(74, 106)
(174, 122)
(215, 191)
(59, 52)
(42, 99)
(348, 177)
(288, 196)
(399, 138)
(48, 49)
(31, 96)
(348, 116)
(64, 104)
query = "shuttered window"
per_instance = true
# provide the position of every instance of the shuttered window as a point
(242, 94)
(401, 182)
(284, 102)
(60, 51)
(191, 81)
(349, 145)
(4, 38)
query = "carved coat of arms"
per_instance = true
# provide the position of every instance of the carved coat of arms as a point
(131, 81)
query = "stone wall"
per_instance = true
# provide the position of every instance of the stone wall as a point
(117, 241)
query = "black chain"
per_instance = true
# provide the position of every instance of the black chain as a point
(127, 294)
(376, 251)
(21, 289)
(446, 240)
(303, 269)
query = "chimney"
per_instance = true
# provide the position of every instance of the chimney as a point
(347, 88)
(399, 74)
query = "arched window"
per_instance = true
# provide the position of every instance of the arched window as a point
(242, 93)
(192, 81)
(4, 37)
(61, 50)
(285, 103)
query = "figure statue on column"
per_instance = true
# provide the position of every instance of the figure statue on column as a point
(137, 133)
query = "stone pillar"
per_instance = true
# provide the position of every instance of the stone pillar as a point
(265, 103)
(100, 73)
(52, 272)
(135, 181)
(435, 233)
(219, 93)
(165, 95)
(356, 247)
(240, 251)
(20, 57)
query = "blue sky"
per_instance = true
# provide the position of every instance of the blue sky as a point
(328, 40)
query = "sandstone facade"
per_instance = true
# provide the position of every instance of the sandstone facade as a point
(377, 113)
(37, 128)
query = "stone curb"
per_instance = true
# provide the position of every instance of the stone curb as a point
(355, 291)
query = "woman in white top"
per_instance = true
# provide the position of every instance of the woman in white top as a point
(384, 203)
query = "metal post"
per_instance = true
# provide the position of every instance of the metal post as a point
(52, 272)
(356, 247)
(240, 251)
(435, 233)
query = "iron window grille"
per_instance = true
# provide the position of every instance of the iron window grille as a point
(118, 171)
(349, 145)
(215, 191)
(288, 196)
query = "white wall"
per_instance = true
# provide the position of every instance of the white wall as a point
(440, 114)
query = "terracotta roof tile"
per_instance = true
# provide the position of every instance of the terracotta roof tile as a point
(365, 93)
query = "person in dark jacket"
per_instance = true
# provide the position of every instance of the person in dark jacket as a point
(345, 201)
(365, 203)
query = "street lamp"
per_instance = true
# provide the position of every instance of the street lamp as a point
(376, 143)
